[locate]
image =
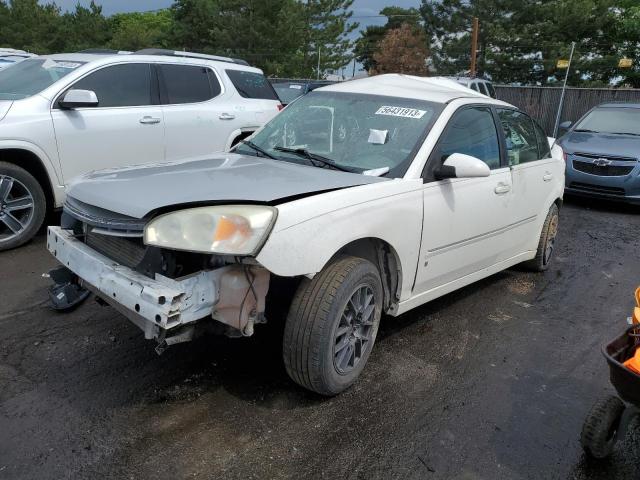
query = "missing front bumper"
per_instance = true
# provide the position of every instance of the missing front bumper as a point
(227, 294)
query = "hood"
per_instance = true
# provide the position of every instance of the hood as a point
(5, 105)
(137, 191)
(604, 144)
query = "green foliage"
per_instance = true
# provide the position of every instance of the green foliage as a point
(138, 30)
(521, 40)
(281, 36)
(367, 45)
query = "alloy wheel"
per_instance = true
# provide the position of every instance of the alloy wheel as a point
(353, 333)
(16, 207)
(551, 238)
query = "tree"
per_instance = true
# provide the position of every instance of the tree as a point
(402, 50)
(367, 45)
(520, 41)
(30, 26)
(138, 30)
(281, 36)
(84, 28)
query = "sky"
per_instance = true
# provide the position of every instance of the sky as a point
(363, 9)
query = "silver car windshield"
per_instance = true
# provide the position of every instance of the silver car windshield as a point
(358, 132)
(620, 120)
(28, 77)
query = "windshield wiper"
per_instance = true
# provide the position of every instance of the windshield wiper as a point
(258, 149)
(313, 157)
(625, 133)
(585, 130)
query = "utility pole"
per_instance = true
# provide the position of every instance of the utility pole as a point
(564, 87)
(318, 62)
(474, 46)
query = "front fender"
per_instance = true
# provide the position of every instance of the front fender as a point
(52, 169)
(310, 231)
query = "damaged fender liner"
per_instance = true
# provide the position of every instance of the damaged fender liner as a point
(154, 305)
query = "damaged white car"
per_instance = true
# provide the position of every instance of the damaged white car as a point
(372, 196)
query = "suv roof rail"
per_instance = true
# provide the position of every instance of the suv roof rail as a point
(177, 53)
(103, 51)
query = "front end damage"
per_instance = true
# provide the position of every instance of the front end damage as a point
(171, 297)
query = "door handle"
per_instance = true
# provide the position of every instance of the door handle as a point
(502, 188)
(226, 116)
(547, 176)
(147, 120)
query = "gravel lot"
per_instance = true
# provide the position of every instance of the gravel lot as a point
(489, 382)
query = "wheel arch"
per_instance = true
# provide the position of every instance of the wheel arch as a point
(33, 164)
(386, 259)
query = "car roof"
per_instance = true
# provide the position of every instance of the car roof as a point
(619, 105)
(434, 89)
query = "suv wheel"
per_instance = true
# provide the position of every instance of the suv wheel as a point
(332, 325)
(22, 206)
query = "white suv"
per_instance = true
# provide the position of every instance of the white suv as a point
(67, 114)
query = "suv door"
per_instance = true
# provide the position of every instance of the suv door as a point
(125, 128)
(532, 172)
(466, 220)
(197, 118)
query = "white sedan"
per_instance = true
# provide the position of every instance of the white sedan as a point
(366, 197)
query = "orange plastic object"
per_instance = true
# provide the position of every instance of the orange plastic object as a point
(633, 363)
(635, 317)
(638, 296)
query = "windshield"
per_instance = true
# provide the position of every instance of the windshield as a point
(288, 92)
(31, 76)
(355, 131)
(612, 120)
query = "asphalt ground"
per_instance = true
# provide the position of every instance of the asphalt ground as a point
(489, 382)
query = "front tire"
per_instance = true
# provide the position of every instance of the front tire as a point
(22, 206)
(546, 243)
(332, 325)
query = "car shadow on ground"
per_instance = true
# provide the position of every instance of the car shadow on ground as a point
(601, 205)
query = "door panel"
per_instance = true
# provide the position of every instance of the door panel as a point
(124, 129)
(466, 226)
(467, 221)
(532, 172)
(198, 118)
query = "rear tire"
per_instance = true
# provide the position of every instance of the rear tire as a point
(546, 244)
(599, 430)
(22, 206)
(332, 325)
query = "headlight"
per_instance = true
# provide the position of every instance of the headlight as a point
(224, 229)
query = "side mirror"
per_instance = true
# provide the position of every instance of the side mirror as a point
(78, 99)
(459, 165)
(564, 126)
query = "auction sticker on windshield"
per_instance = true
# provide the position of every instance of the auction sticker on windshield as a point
(401, 112)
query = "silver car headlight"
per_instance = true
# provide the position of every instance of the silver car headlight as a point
(223, 229)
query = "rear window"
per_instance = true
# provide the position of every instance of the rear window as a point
(288, 92)
(252, 85)
(187, 84)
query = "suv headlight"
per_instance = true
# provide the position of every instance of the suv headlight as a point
(223, 229)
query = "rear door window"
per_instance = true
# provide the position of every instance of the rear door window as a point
(187, 84)
(544, 150)
(483, 88)
(252, 85)
(520, 136)
(124, 85)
